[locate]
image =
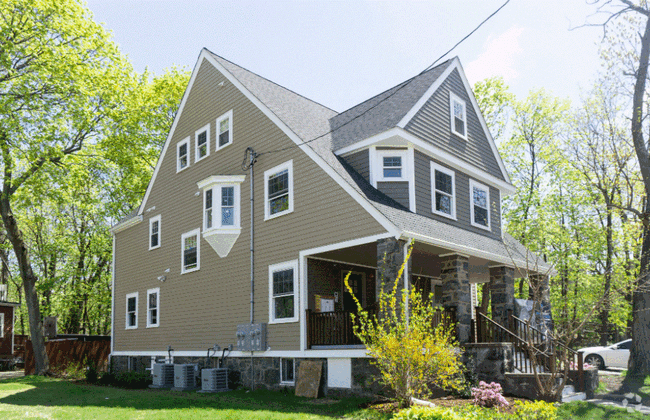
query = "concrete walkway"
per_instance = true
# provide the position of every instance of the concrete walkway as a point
(10, 374)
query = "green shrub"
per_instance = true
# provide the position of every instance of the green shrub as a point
(107, 378)
(538, 410)
(535, 410)
(91, 373)
(132, 380)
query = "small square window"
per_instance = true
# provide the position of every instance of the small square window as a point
(154, 232)
(191, 257)
(278, 190)
(458, 116)
(392, 166)
(132, 311)
(202, 138)
(480, 205)
(224, 130)
(183, 154)
(287, 371)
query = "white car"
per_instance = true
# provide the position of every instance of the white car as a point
(615, 355)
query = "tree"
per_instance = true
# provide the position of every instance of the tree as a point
(59, 80)
(629, 56)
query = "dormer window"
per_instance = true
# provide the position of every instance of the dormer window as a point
(182, 154)
(392, 165)
(202, 138)
(221, 211)
(458, 116)
(224, 130)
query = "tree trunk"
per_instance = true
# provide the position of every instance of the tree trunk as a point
(604, 313)
(29, 284)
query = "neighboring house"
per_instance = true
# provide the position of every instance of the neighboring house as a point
(7, 313)
(333, 193)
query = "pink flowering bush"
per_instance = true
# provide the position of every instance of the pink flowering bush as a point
(574, 366)
(489, 395)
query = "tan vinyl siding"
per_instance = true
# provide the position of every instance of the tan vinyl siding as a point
(432, 123)
(202, 308)
(423, 191)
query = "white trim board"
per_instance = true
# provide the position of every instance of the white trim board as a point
(307, 354)
(455, 65)
(357, 196)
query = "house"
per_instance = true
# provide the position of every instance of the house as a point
(333, 193)
(7, 316)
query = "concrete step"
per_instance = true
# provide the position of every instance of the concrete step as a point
(574, 396)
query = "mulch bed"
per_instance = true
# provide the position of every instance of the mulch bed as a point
(447, 401)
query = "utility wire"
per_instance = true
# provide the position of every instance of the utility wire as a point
(404, 84)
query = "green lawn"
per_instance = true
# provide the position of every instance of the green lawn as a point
(36, 397)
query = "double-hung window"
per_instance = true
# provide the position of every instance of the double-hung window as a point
(182, 154)
(132, 311)
(283, 288)
(480, 205)
(191, 251)
(202, 143)
(154, 232)
(443, 191)
(221, 207)
(224, 130)
(153, 304)
(458, 113)
(278, 190)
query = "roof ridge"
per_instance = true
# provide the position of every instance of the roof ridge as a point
(397, 86)
(271, 81)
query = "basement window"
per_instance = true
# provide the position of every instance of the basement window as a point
(287, 371)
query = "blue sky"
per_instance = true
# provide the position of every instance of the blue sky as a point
(340, 53)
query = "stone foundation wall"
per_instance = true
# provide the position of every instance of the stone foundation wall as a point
(489, 361)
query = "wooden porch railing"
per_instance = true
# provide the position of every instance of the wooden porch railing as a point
(336, 328)
(528, 342)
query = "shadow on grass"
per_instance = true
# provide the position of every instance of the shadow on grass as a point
(588, 411)
(47, 392)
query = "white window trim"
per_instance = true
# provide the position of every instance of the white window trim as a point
(281, 267)
(455, 98)
(216, 208)
(227, 115)
(157, 292)
(436, 167)
(282, 382)
(485, 188)
(126, 322)
(185, 141)
(205, 128)
(151, 222)
(194, 232)
(267, 174)
(2, 325)
(379, 165)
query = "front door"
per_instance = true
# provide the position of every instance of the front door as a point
(357, 282)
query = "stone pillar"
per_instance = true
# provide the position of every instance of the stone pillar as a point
(540, 292)
(502, 290)
(456, 292)
(390, 257)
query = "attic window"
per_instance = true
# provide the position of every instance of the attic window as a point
(458, 116)
(182, 154)
(224, 130)
(202, 138)
(154, 232)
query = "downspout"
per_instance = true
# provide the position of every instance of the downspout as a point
(251, 163)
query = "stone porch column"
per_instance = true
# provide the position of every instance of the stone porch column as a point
(502, 290)
(390, 257)
(540, 291)
(456, 291)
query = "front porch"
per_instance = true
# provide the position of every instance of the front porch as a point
(450, 279)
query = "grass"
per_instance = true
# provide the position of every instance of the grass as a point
(588, 411)
(36, 397)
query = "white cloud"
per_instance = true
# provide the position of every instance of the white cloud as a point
(498, 57)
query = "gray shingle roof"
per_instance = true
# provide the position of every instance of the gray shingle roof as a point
(311, 122)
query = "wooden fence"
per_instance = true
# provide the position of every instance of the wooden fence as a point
(64, 352)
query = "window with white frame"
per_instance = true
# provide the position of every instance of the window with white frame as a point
(154, 232)
(224, 130)
(392, 165)
(287, 371)
(182, 154)
(458, 116)
(191, 251)
(443, 191)
(153, 305)
(202, 143)
(132, 311)
(278, 190)
(221, 206)
(480, 205)
(2, 325)
(283, 288)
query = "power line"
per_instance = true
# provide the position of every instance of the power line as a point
(404, 84)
